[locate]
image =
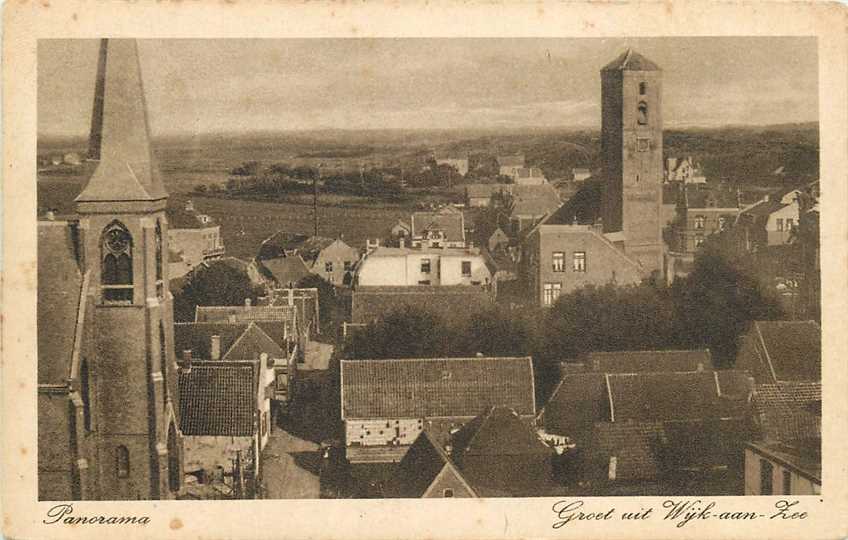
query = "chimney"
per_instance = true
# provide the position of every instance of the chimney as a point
(187, 360)
(215, 348)
(266, 360)
(402, 241)
(247, 302)
(613, 465)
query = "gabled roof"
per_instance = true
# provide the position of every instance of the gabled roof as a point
(421, 466)
(180, 217)
(451, 302)
(244, 313)
(252, 343)
(285, 270)
(218, 399)
(697, 196)
(630, 60)
(197, 337)
(60, 292)
(787, 412)
(435, 387)
(636, 361)
(498, 432)
(577, 403)
(791, 350)
(308, 247)
(451, 224)
(127, 170)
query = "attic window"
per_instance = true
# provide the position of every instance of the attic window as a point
(448, 492)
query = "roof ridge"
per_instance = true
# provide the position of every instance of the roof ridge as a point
(354, 360)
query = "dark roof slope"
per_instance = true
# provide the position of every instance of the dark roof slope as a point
(787, 411)
(432, 387)
(252, 343)
(630, 60)
(218, 399)
(308, 247)
(578, 402)
(284, 270)
(793, 348)
(450, 302)
(639, 361)
(420, 466)
(197, 337)
(498, 432)
(450, 223)
(179, 217)
(59, 294)
(700, 196)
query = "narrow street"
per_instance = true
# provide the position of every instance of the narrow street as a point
(292, 467)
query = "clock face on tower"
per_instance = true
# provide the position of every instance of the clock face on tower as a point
(117, 240)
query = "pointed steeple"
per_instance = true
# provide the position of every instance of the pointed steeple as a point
(630, 60)
(96, 134)
(127, 170)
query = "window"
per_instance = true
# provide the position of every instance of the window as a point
(551, 293)
(787, 483)
(558, 261)
(790, 224)
(643, 88)
(328, 267)
(722, 223)
(699, 240)
(424, 282)
(425, 266)
(700, 221)
(448, 492)
(766, 472)
(578, 264)
(264, 423)
(779, 224)
(122, 462)
(116, 273)
(347, 266)
(157, 238)
(642, 116)
(86, 395)
(466, 268)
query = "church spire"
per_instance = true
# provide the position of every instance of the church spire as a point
(120, 136)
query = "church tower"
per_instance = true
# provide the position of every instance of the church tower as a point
(124, 244)
(632, 154)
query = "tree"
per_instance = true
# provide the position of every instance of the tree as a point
(328, 305)
(408, 332)
(213, 284)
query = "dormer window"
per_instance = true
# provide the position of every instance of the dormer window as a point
(116, 274)
(642, 115)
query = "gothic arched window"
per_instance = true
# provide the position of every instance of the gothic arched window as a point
(158, 240)
(122, 462)
(642, 117)
(116, 273)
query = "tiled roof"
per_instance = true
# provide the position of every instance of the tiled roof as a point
(244, 313)
(447, 387)
(451, 224)
(500, 431)
(793, 349)
(477, 191)
(635, 361)
(197, 337)
(420, 466)
(252, 343)
(649, 397)
(218, 399)
(785, 410)
(285, 270)
(59, 293)
(632, 444)
(450, 302)
(308, 247)
(585, 205)
(630, 60)
(179, 217)
(578, 402)
(700, 196)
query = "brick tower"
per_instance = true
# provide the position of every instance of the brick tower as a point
(131, 378)
(632, 153)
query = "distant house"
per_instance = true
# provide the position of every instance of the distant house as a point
(177, 265)
(581, 174)
(497, 240)
(497, 454)
(444, 228)
(528, 176)
(703, 211)
(386, 404)
(458, 163)
(480, 195)
(561, 257)
(331, 259)
(507, 165)
(196, 236)
(648, 432)
(683, 170)
(389, 266)
(220, 407)
(401, 229)
(369, 304)
(781, 351)
(531, 203)
(774, 220)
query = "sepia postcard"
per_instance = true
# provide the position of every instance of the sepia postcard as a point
(306, 270)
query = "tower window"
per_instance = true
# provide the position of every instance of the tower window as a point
(160, 289)
(122, 462)
(116, 274)
(642, 116)
(643, 88)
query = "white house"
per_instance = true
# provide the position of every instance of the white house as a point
(387, 266)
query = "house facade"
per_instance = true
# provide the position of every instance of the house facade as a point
(775, 469)
(195, 236)
(558, 259)
(444, 228)
(387, 266)
(528, 176)
(386, 404)
(775, 220)
(703, 210)
(331, 259)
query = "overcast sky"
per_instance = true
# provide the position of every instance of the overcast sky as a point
(206, 86)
